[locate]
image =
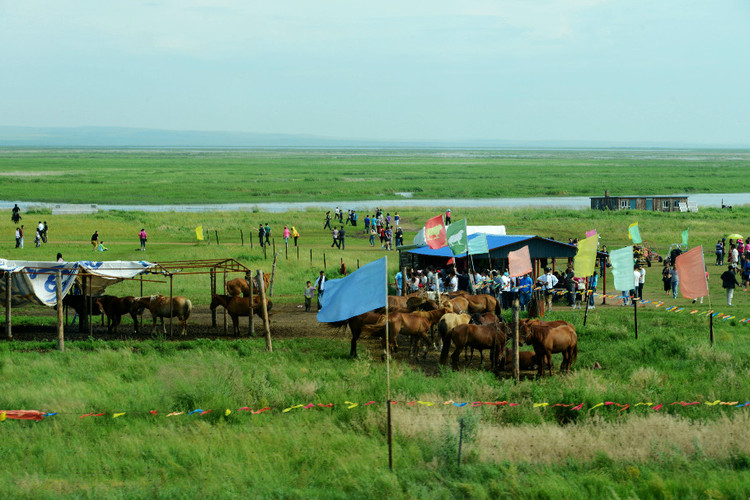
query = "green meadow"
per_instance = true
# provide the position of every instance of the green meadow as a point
(528, 450)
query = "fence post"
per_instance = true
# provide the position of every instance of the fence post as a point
(242, 238)
(264, 310)
(8, 329)
(60, 330)
(212, 274)
(324, 261)
(249, 278)
(217, 236)
(516, 314)
(311, 256)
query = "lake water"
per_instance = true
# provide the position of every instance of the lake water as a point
(574, 202)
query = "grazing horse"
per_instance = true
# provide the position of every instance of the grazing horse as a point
(159, 306)
(239, 306)
(480, 337)
(417, 324)
(114, 308)
(358, 323)
(239, 286)
(549, 339)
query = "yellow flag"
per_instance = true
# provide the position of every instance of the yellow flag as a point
(586, 256)
(199, 233)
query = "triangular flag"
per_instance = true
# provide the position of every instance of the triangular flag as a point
(478, 244)
(634, 233)
(199, 233)
(457, 239)
(434, 232)
(586, 256)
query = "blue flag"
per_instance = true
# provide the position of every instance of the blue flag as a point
(478, 244)
(361, 291)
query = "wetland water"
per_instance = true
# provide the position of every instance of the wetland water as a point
(574, 202)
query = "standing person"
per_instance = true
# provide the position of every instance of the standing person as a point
(570, 286)
(295, 235)
(641, 281)
(524, 291)
(666, 278)
(734, 258)
(37, 238)
(342, 235)
(328, 220)
(728, 282)
(674, 281)
(309, 292)
(548, 282)
(143, 237)
(745, 274)
(388, 235)
(44, 232)
(396, 219)
(398, 280)
(40, 231)
(95, 240)
(267, 230)
(335, 236)
(60, 257)
(261, 234)
(320, 286)
(367, 223)
(448, 216)
(372, 235)
(287, 233)
(20, 238)
(593, 282)
(719, 253)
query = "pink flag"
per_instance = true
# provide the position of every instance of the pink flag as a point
(591, 233)
(691, 270)
(519, 262)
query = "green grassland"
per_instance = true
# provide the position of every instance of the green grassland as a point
(252, 176)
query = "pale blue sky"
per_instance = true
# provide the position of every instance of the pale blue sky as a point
(644, 71)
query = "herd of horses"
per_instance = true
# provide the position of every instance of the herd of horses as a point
(465, 322)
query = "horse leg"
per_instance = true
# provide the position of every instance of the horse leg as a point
(454, 357)
(356, 332)
(114, 320)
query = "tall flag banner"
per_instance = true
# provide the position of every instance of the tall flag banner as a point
(457, 238)
(478, 244)
(519, 262)
(199, 233)
(586, 256)
(634, 233)
(361, 291)
(691, 270)
(622, 267)
(434, 232)
(685, 238)
(590, 233)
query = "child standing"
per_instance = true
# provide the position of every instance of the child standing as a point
(309, 292)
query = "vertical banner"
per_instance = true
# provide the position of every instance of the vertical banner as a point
(457, 239)
(519, 262)
(622, 267)
(685, 238)
(478, 244)
(361, 291)
(434, 232)
(691, 270)
(199, 233)
(586, 256)
(634, 233)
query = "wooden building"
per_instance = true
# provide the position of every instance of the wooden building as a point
(675, 203)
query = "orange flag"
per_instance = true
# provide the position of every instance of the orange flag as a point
(519, 262)
(434, 232)
(691, 270)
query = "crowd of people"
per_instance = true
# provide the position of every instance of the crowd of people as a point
(378, 226)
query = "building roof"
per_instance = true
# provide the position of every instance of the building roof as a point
(500, 246)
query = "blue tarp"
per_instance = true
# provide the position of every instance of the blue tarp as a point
(492, 242)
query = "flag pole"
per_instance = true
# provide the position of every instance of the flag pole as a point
(388, 370)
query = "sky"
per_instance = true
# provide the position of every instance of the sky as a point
(636, 71)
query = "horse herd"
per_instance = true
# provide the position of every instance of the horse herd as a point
(465, 322)
(180, 307)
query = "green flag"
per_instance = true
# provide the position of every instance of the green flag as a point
(622, 267)
(478, 244)
(685, 238)
(457, 239)
(634, 233)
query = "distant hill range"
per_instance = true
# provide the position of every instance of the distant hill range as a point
(123, 137)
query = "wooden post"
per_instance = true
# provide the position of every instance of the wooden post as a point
(403, 281)
(82, 317)
(273, 275)
(357, 263)
(311, 256)
(251, 241)
(604, 285)
(711, 327)
(635, 316)
(324, 261)
(225, 309)
(140, 318)
(8, 329)
(217, 236)
(437, 289)
(273, 245)
(170, 301)
(586, 298)
(516, 326)
(60, 329)
(249, 279)
(212, 274)
(265, 255)
(90, 306)
(264, 310)
(297, 253)
(286, 249)
(242, 238)
(390, 438)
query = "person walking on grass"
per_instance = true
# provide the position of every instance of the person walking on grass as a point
(267, 231)
(143, 237)
(295, 235)
(95, 240)
(20, 238)
(261, 234)
(342, 235)
(320, 286)
(286, 235)
(309, 292)
(728, 282)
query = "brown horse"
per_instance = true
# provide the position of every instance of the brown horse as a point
(239, 286)
(459, 304)
(482, 303)
(417, 324)
(480, 337)
(448, 322)
(159, 306)
(527, 360)
(239, 306)
(114, 308)
(549, 339)
(358, 323)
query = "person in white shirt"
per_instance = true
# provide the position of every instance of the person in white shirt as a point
(320, 284)
(641, 281)
(454, 283)
(547, 282)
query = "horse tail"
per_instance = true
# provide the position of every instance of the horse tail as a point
(498, 309)
(188, 308)
(446, 349)
(442, 329)
(574, 354)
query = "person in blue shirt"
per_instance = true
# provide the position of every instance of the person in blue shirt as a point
(399, 280)
(367, 224)
(593, 281)
(524, 291)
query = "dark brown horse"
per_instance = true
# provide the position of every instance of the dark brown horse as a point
(159, 306)
(549, 339)
(115, 308)
(417, 324)
(527, 360)
(480, 337)
(357, 324)
(80, 304)
(238, 286)
(239, 306)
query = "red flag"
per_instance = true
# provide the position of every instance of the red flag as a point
(434, 232)
(452, 260)
(519, 262)
(691, 270)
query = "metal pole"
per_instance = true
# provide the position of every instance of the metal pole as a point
(311, 256)
(242, 238)
(140, 318)
(90, 305)
(170, 300)
(225, 309)
(711, 327)
(60, 329)
(635, 315)
(388, 369)
(212, 275)
(516, 334)
(8, 329)
(264, 309)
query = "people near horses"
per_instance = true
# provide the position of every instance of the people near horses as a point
(570, 287)
(16, 214)
(261, 234)
(398, 280)
(320, 286)
(59, 257)
(728, 282)
(309, 292)
(328, 220)
(453, 282)
(143, 237)
(547, 281)
(506, 297)
(286, 234)
(20, 236)
(342, 236)
(95, 240)
(295, 235)
(267, 232)
(524, 291)
(719, 253)
(335, 236)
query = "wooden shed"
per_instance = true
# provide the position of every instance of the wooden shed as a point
(672, 203)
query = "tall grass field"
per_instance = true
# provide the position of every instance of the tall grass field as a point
(676, 426)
